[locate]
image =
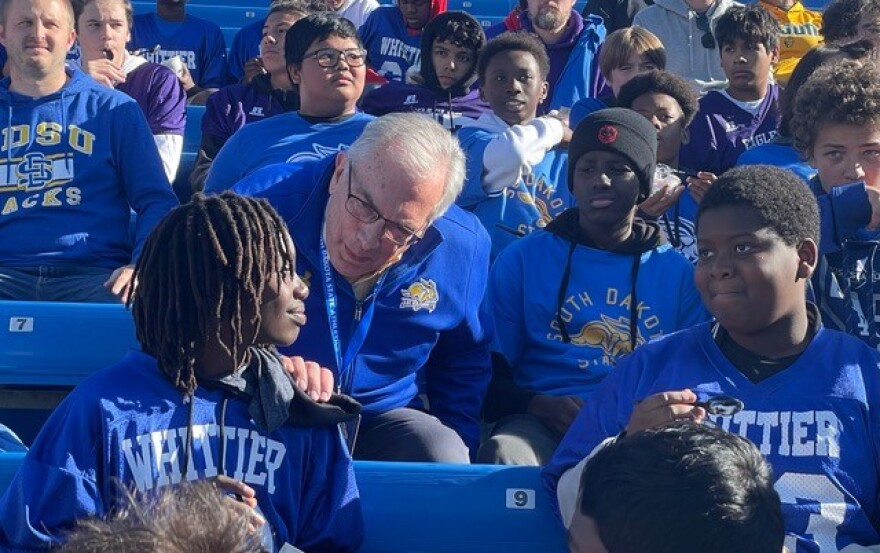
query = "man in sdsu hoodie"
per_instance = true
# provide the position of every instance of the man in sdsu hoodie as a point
(73, 164)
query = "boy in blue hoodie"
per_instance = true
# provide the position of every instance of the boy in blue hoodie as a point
(73, 165)
(572, 300)
(206, 398)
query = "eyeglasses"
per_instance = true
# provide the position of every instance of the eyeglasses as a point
(329, 57)
(707, 40)
(364, 212)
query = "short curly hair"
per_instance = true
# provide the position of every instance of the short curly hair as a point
(840, 20)
(519, 41)
(752, 24)
(661, 82)
(844, 93)
(778, 195)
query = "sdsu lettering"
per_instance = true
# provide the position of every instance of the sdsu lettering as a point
(38, 179)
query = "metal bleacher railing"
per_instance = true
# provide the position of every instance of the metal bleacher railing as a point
(46, 348)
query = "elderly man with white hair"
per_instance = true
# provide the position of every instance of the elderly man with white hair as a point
(397, 274)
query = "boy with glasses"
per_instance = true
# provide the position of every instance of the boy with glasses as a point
(685, 27)
(327, 62)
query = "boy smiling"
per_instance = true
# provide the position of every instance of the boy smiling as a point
(808, 391)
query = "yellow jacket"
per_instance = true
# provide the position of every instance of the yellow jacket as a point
(800, 33)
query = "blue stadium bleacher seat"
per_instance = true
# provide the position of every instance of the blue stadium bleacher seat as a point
(431, 508)
(192, 138)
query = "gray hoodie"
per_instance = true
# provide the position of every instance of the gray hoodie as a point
(675, 25)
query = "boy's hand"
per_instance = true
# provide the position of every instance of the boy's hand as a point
(118, 282)
(252, 68)
(700, 184)
(662, 200)
(311, 378)
(562, 116)
(105, 72)
(557, 413)
(874, 200)
(244, 500)
(664, 408)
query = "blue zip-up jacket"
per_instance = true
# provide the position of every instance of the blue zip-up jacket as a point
(73, 165)
(128, 424)
(574, 64)
(428, 333)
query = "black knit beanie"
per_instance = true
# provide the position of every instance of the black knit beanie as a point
(623, 132)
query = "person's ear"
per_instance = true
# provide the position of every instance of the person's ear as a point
(545, 89)
(295, 73)
(808, 257)
(336, 178)
(774, 55)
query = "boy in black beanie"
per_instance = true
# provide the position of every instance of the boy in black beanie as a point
(618, 285)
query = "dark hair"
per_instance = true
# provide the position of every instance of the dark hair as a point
(817, 57)
(518, 42)
(752, 24)
(840, 20)
(315, 28)
(456, 27)
(661, 82)
(189, 518)
(683, 488)
(203, 270)
(842, 93)
(779, 196)
(302, 7)
(460, 29)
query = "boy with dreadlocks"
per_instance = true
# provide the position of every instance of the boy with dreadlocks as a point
(216, 290)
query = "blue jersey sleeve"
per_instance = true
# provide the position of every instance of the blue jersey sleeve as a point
(245, 45)
(333, 521)
(224, 172)
(56, 483)
(844, 211)
(506, 299)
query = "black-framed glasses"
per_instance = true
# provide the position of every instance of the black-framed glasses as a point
(708, 39)
(329, 57)
(364, 212)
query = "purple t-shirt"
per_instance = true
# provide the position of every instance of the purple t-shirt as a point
(445, 109)
(233, 106)
(160, 96)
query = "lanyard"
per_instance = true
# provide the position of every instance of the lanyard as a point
(344, 362)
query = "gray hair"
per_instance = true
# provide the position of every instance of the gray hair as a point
(418, 143)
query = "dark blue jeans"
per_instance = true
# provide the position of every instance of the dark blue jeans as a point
(46, 283)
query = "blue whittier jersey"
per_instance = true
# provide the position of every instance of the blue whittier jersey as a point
(523, 295)
(391, 48)
(286, 137)
(816, 422)
(722, 130)
(128, 424)
(528, 204)
(198, 42)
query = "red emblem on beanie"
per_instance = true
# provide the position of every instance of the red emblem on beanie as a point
(607, 134)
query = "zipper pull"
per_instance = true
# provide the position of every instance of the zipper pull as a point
(358, 310)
